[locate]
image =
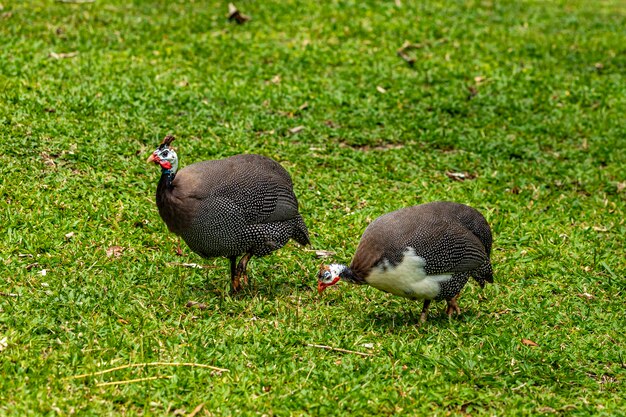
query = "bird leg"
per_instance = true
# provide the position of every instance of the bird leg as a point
(453, 307)
(241, 268)
(235, 285)
(424, 311)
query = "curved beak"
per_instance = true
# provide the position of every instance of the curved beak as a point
(152, 158)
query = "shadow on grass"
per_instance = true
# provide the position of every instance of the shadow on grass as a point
(402, 318)
(261, 288)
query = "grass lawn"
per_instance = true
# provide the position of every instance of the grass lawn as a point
(514, 107)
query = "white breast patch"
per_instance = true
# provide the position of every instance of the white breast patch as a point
(407, 279)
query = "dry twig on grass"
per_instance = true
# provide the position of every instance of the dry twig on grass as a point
(7, 294)
(55, 55)
(192, 265)
(131, 381)
(339, 349)
(320, 253)
(137, 365)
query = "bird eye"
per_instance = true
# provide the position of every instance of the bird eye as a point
(165, 153)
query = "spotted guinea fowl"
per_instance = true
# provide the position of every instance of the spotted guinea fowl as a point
(242, 205)
(425, 252)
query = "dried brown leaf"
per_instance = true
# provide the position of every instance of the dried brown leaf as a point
(196, 304)
(460, 176)
(529, 342)
(296, 129)
(479, 79)
(196, 410)
(236, 15)
(586, 295)
(114, 251)
(31, 266)
(403, 52)
(47, 159)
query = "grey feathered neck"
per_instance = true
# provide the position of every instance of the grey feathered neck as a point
(167, 176)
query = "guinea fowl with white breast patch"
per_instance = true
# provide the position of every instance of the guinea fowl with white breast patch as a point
(243, 205)
(425, 252)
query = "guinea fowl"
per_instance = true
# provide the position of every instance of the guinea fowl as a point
(242, 205)
(425, 252)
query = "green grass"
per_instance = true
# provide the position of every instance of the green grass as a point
(527, 96)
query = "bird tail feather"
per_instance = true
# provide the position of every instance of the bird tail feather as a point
(483, 274)
(299, 232)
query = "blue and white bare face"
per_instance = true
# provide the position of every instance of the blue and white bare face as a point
(166, 157)
(329, 275)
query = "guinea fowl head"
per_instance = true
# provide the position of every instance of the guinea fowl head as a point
(165, 156)
(329, 275)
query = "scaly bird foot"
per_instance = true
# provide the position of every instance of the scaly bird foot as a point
(241, 272)
(453, 307)
(235, 285)
(424, 312)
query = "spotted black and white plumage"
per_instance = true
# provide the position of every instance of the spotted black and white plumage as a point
(425, 252)
(242, 205)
